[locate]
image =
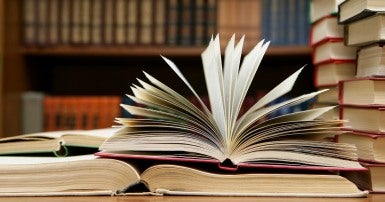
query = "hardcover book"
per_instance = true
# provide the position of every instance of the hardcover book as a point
(366, 31)
(89, 175)
(168, 126)
(364, 91)
(354, 10)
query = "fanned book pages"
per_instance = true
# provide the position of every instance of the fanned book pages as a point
(168, 127)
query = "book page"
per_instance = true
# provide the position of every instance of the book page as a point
(22, 160)
(212, 66)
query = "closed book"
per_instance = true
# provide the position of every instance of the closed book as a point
(371, 61)
(369, 145)
(326, 28)
(363, 118)
(330, 73)
(332, 49)
(364, 91)
(371, 180)
(355, 10)
(321, 8)
(366, 31)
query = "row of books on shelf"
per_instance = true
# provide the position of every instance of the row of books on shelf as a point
(161, 22)
(285, 22)
(352, 68)
(118, 22)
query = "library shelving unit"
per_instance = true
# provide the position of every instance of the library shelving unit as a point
(101, 70)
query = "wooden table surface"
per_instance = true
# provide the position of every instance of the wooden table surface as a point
(370, 198)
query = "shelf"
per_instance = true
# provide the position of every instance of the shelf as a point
(146, 50)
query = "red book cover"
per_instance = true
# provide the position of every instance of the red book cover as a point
(328, 36)
(216, 163)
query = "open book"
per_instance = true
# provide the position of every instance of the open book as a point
(89, 175)
(59, 143)
(168, 126)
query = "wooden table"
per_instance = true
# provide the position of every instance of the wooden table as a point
(371, 198)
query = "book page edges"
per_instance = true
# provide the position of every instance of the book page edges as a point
(268, 194)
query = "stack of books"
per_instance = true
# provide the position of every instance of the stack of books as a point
(170, 146)
(362, 99)
(332, 60)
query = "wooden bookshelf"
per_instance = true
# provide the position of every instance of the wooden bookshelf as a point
(146, 51)
(35, 68)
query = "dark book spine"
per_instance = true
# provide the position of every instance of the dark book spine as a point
(159, 19)
(172, 22)
(29, 22)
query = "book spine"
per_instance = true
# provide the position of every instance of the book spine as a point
(172, 22)
(340, 93)
(96, 22)
(108, 21)
(29, 22)
(42, 22)
(120, 22)
(65, 21)
(211, 20)
(85, 22)
(185, 31)
(75, 24)
(33, 112)
(159, 20)
(133, 19)
(198, 22)
(145, 23)
(53, 18)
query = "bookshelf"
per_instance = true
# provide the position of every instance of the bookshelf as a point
(110, 69)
